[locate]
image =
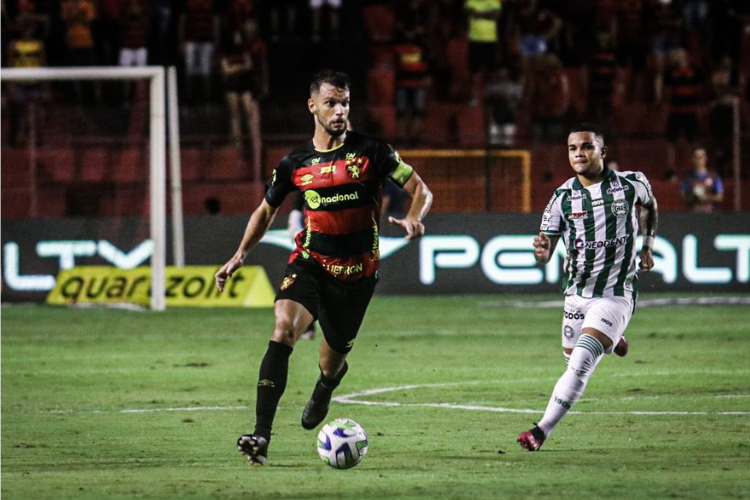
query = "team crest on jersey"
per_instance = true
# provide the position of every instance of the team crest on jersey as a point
(353, 167)
(288, 281)
(620, 208)
(307, 179)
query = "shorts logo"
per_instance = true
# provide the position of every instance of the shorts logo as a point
(288, 281)
(350, 344)
(620, 208)
(568, 331)
(606, 321)
(307, 179)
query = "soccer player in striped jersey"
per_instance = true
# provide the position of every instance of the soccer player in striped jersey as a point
(596, 213)
(333, 270)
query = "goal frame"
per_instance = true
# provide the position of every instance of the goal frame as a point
(156, 75)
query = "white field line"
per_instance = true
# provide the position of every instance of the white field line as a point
(354, 398)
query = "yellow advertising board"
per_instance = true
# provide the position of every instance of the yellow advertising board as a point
(186, 286)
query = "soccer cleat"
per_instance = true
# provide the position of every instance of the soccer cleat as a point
(255, 448)
(621, 349)
(532, 440)
(317, 408)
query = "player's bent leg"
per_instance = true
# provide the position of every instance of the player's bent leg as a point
(333, 368)
(569, 388)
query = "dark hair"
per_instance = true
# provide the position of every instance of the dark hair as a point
(338, 79)
(588, 127)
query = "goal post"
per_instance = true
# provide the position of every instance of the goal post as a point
(156, 76)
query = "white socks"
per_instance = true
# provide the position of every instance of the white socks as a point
(569, 388)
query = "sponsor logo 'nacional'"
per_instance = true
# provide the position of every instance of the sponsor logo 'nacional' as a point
(314, 200)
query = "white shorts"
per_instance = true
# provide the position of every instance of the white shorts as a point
(316, 4)
(609, 315)
(134, 57)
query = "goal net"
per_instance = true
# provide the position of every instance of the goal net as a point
(82, 142)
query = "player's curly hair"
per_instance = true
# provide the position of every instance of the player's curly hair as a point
(338, 79)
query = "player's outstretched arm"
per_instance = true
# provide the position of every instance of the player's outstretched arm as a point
(544, 246)
(421, 200)
(649, 222)
(257, 226)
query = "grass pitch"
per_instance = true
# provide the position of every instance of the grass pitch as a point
(113, 404)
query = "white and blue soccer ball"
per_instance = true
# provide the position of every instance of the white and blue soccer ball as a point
(342, 443)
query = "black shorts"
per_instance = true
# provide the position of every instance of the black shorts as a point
(339, 306)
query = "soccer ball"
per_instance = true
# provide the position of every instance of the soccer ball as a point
(342, 443)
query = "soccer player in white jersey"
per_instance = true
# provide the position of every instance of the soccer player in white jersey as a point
(596, 215)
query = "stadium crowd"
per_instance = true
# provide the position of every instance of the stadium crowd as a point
(511, 72)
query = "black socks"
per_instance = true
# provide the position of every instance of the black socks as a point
(274, 370)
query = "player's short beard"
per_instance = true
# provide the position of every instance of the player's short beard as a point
(330, 131)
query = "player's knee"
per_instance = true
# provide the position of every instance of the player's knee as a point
(585, 355)
(284, 332)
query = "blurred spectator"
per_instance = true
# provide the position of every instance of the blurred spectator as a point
(538, 28)
(694, 13)
(701, 189)
(483, 18)
(163, 32)
(612, 164)
(727, 23)
(199, 33)
(280, 18)
(134, 50)
(549, 98)
(502, 95)
(333, 8)
(665, 33)
(78, 16)
(26, 52)
(244, 65)
(681, 91)
(602, 80)
(106, 30)
(631, 41)
(412, 80)
(727, 88)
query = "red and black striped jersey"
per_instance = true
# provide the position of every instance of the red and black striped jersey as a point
(342, 190)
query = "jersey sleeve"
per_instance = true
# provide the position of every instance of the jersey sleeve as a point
(552, 218)
(642, 188)
(390, 164)
(280, 184)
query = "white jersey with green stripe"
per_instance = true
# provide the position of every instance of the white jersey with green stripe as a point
(598, 225)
